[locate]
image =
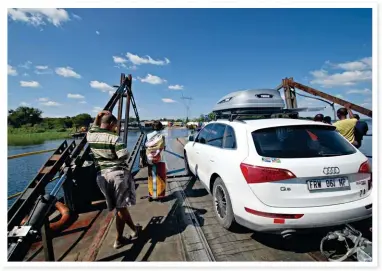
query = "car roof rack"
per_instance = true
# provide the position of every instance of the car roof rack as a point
(261, 113)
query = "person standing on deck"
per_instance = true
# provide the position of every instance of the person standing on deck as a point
(361, 129)
(113, 178)
(157, 173)
(346, 127)
(319, 118)
(327, 120)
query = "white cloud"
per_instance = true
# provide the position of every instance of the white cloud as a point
(50, 103)
(75, 96)
(83, 102)
(176, 87)
(368, 61)
(26, 65)
(347, 78)
(25, 74)
(75, 16)
(101, 86)
(39, 16)
(97, 32)
(167, 100)
(152, 79)
(362, 64)
(137, 60)
(41, 67)
(353, 73)
(47, 102)
(67, 72)
(24, 104)
(339, 96)
(40, 72)
(30, 84)
(97, 109)
(119, 60)
(11, 70)
(111, 92)
(364, 91)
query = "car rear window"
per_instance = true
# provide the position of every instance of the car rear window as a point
(302, 141)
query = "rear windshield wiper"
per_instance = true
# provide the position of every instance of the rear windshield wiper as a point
(329, 154)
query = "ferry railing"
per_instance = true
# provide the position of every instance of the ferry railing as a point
(65, 161)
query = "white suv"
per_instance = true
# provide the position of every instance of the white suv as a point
(278, 175)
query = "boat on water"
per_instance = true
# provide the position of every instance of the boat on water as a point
(41, 229)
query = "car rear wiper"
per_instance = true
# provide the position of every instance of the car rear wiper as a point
(329, 154)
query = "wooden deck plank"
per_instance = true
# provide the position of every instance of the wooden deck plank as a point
(159, 240)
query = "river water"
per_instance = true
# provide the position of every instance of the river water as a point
(22, 170)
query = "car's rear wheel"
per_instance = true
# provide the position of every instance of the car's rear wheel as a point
(222, 203)
(186, 166)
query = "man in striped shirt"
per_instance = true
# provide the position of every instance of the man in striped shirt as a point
(113, 178)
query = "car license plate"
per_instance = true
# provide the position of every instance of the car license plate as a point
(328, 184)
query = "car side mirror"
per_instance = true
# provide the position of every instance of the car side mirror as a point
(191, 138)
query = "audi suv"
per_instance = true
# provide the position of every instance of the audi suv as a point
(277, 175)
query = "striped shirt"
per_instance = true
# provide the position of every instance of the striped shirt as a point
(108, 148)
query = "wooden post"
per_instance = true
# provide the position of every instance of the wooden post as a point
(127, 112)
(292, 93)
(331, 98)
(47, 241)
(120, 106)
(287, 94)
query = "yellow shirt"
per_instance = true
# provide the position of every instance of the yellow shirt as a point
(346, 128)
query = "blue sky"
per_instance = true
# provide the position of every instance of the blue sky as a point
(64, 61)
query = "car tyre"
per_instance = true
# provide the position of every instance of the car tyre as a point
(186, 166)
(222, 205)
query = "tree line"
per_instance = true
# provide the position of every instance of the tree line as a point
(29, 117)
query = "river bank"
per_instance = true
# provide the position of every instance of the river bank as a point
(22, 137)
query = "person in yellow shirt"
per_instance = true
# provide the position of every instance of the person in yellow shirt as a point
(346, 127)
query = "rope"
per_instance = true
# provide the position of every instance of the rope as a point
(180, 142)
(19, 193)
(29, 153)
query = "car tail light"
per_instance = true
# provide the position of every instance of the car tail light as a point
(277, 218)
(255, 174)
(365, 168)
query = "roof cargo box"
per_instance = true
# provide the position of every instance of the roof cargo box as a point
(254, 99)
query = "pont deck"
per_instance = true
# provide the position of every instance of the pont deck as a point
(182, 227)
(170, 234)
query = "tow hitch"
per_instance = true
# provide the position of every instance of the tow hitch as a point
(361, 251)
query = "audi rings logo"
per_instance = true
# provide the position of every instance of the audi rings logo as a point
(331, 170)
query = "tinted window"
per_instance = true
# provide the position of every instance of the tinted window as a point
(300, 142)
(229, 138)
(216, 135)
(202, 137)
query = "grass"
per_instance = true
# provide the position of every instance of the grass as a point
(24, 138)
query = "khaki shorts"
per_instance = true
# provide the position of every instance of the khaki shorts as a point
(118, 187)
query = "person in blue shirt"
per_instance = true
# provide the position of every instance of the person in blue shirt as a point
(361, 129)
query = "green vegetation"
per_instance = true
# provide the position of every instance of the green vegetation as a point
(18, 137)
(27, 127)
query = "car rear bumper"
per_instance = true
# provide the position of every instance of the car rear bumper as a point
(317, 217)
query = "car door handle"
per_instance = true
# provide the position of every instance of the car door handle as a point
(197, 152)
(212, 160)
